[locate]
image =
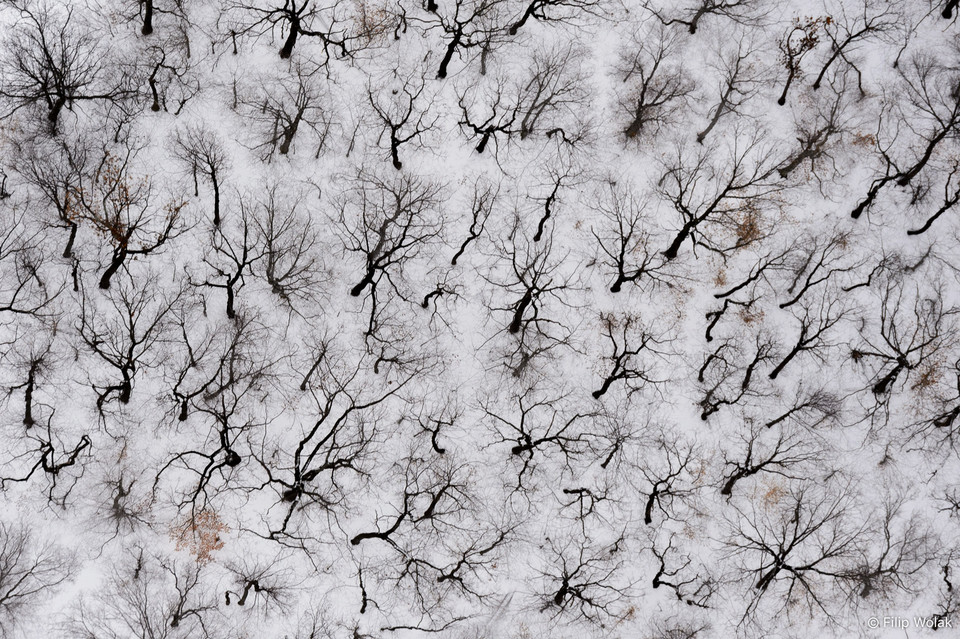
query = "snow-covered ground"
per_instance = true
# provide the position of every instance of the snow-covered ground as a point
(482, 319)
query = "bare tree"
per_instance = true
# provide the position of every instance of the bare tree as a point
(784, 457)
(535, 284)
(539, 426)
(311, 464)
(550, 97)
(124, 331)
(799, 546)
(236, 248)
(59, 169)
(32, 359)
(650, 65)
(332, 25)
(30, 570)
(27, 288)
(913, 327)
(727, 378)
(630, 342)
(476, 101)
(818, 317)
(54, 61)
(561, 11)
(738, 81)
(678, 571)
(167, 73)
(729, 193)
(265, 584)
(290, 244)
(553, 91)
(815, 260)
(810, 408)
(470, 24)
(738, 11)
(222, 386)
(282, 108)
(404, 117)
(202, 149)
(670, 469)
(433, 541)
(119, 204)
(934, 104)
(387, 222)
(819, 131)
(853, 28)
(49, 452)
(896, 548)
(627, 244)
(484, 198)
(801, 38)
(584, 579)
(951, 195)
(153, 597)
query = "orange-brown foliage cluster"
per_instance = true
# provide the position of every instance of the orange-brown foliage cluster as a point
(200, 535)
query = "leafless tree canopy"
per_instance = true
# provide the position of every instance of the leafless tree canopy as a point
(476, 319)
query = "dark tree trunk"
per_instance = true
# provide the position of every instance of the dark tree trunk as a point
(696, 20)
(523, 20)
(727, 489)
(783, 96)
(648, 510)
(715, 315)
(518, 313)
(395, 151)
(786, 360)
(126, 388)
(713, 122)
(28, 397)
(767, 578)
(597, 394)
(561, 594)
(927, 154)
(118, 257)
(216, 198)
(367, 279)
(54, 116)
(881, 387)
(483, 142)
(68, 249)
(678, 241)
(635, 127)
(871, 196)
(291, 40)
(288, 134)
(823, 71)
(946, 420)
(949, 204)
(152, 81)
(147, 18)
(792, 165)
(451, 48)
